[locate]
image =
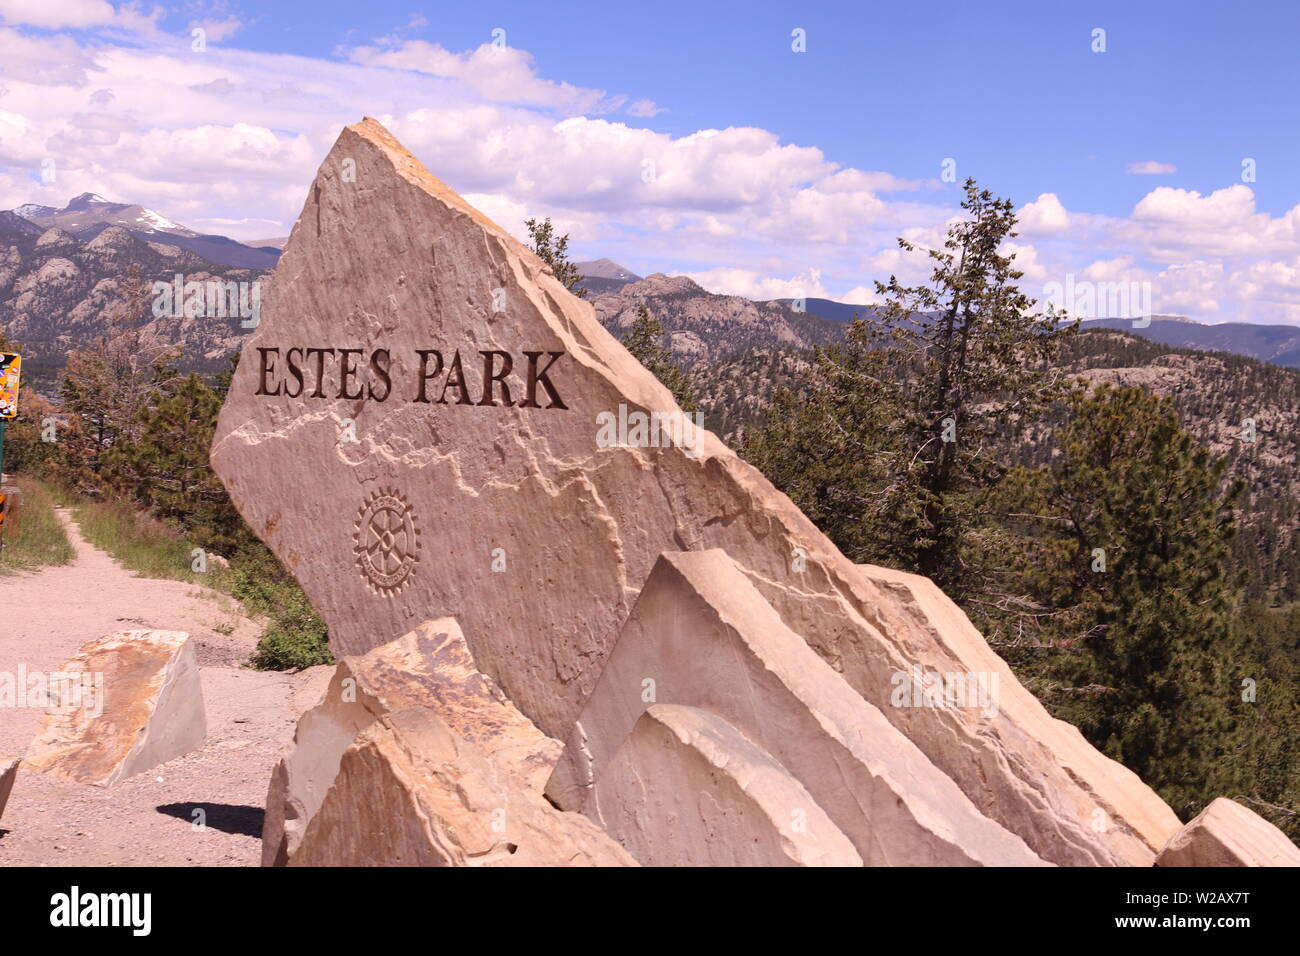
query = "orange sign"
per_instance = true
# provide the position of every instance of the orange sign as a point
(9, 367)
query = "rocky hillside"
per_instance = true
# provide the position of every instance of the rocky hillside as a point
(705, 327)
(59, 292)
(1279, 344)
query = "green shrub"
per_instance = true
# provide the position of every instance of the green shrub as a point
(296, 636)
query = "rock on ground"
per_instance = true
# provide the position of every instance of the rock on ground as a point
(430, 668)
(702, 636)
(1227, 834)
(148, 819)
(412, 792)
(126, 703)
(8, 773)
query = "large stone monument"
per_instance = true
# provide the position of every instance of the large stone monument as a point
(419, 428)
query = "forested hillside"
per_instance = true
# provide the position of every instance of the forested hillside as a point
(1214, 394)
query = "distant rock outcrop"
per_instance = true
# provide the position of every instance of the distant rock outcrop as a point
(707, 327)
(59, 292)
(87, 215)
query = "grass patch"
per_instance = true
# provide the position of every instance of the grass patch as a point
(295, 635)
(36, 539)
(141, 543)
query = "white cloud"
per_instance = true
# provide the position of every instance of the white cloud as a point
(860, 295)
(239, 135)
(1150, 167)
(76, 14)
(1026, 262)
(217, 30)
(500, 74)
(643, 108)
(1045, 216)
(1173, 225)
(754, 285)
(81, 15)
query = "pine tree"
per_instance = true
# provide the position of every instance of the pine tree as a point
(979, 361)
(106, 389)
(1132, 553)
(166, 468)
(893, 446)
(833, 445)
(554, 251)
(642, 340)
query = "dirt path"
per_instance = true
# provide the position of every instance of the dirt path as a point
(45, 618)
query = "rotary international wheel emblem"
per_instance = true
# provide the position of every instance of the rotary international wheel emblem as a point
(387, 541)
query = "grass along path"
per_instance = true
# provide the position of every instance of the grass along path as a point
(295, 635)
(36, 538)
(50, 614)
(141, 543)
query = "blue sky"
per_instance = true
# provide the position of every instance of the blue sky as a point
(1128, 163)
(1011, 90)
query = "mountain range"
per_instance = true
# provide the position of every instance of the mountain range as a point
(60, 291)
(61, 272)
(87, 215)
(64, 275)
(1279, 344)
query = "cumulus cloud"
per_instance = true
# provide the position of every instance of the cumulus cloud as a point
(1026, 261)
(1045, 216)
(500, 74)
(1173, 225)
(240, 135)
(81, 15)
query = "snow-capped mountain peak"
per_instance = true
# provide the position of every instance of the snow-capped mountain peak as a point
(153, 220)
(31, 210)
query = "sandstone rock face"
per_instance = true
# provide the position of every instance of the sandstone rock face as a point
(413, 428)
(688, 789)
(133, 701)
(430, 667)
(1227, 834)
(412, 792)
(1130, 816)
(8, 774)
(702, 636)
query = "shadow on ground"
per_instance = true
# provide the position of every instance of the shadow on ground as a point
(243, 821)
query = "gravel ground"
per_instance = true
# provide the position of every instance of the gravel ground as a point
(149, 819)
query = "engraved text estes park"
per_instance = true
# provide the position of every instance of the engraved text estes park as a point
(488, 377)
